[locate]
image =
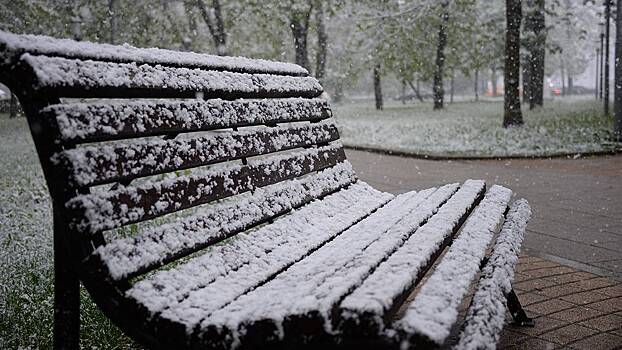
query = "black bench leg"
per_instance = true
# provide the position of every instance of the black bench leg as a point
(66, 300)
(517, 311)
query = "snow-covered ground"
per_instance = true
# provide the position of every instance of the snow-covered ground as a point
(26, 256)
(474, 128)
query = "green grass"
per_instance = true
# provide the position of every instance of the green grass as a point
(26, 256)
(473, 129)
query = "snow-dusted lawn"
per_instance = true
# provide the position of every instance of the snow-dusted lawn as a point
(26, 271)
(474, 129)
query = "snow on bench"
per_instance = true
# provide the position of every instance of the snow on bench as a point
(434, 310)
(131, 256)
(77, 78)
(130, 204)
(370, 306)
(94, 165)
(12, 46)
(316, 284)
(101, 121)
(192, 291)
(486, 316)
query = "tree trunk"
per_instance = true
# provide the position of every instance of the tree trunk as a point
(512, 112)
(403, 96)
(493, 79)
(299, 23)
(476, 85)
(569, 88)
(528, 44)
(527, 81)
(416, 90)
(214, 20)
(322, 42)
(13, 106)
(112, 21)
(378, 87)
(537, 56)
(606, 77)
(451, 85)
(562, 71)
(338, 97)
(617, 93)
(440, 58)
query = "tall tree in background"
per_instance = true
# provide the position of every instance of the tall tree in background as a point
(437, 88)
(512, 113)
(537, 54)
(299, 16)
(322, 41)
(378, 86)
(213, 18)
(112, 21)
(617, 107)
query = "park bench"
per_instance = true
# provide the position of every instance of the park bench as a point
(206, 202)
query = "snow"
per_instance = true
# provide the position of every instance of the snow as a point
(103, 163)
(486, 316)
(398, 274)
(214, 222)
(435, 308)
(83, 120)
(126, 204)
(191, 291)
(15, 45)
(315, 285)
(55, 72)
(473, 129)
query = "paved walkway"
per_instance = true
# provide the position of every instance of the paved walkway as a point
(577, 203)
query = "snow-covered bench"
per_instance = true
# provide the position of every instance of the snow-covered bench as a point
(206, 202)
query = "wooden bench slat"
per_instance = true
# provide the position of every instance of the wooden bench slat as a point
(191, 291)
(83, 79)
(131, 256)
(315, 285)
(101, 211)
(430, 316)
(12, 46)
(100, 164)
(113, 120)
(366, 311)
(486, 315)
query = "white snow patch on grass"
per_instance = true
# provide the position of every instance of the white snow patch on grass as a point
(473, 129)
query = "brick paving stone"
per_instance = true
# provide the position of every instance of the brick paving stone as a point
(543, 325)
(558, 291)
(577, 314)
(546, 272)
(568, 334)
(570, 277)
(535, 284)
(509, 338)
(603, 341)
(604, 323)
(609, 305)
(550, 306)
(594, 283)
(519, 277)
(534, 343)
(613, 291)
(536, 265)
(528, 298)
(528, 259)
(584, 297)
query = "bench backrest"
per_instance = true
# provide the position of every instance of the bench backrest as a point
(197, 129)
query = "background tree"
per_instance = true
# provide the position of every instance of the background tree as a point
(512, 108)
